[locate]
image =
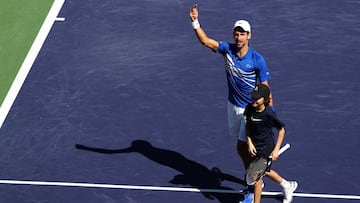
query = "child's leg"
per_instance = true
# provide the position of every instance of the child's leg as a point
(258, 191)
(273, 175)
(288, 186)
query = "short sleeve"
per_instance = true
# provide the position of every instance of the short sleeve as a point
(223, 47)
(264, 74)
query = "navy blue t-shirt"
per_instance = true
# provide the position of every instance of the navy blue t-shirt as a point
(261, 126)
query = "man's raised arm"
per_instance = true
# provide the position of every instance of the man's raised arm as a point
(200, 33)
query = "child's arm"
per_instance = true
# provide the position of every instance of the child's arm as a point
(251, 146)
(280, 138)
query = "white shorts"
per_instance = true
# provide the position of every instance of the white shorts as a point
(236, 121)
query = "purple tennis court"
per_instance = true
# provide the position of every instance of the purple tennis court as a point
(123, 104)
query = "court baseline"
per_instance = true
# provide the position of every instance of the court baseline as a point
(171, 189)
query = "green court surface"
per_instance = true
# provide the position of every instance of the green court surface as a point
(20, 21)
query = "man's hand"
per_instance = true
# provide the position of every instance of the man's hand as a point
(194, 13)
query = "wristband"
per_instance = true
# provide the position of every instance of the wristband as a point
(195, 24)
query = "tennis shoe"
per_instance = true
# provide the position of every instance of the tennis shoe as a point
(248, 197)
(288, 191)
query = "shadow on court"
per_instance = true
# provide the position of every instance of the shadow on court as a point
(192, 173)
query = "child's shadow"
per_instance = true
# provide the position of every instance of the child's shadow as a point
(192, 173)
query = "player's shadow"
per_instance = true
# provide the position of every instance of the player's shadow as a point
(192, 173)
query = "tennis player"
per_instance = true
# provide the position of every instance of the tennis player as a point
(244, 68)
(260, 138)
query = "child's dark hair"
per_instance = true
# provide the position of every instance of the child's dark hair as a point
(266, 101)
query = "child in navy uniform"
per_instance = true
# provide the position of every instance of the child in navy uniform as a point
(260, 138)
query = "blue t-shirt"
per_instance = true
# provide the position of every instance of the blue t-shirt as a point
(261, 126)
(242, 73)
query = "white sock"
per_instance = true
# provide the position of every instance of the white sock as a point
(285, 184)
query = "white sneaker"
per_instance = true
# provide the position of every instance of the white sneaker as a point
(288, 192)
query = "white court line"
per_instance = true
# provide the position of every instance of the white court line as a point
(174, 189)
(29, 59)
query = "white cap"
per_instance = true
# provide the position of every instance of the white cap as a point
(245, 25)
